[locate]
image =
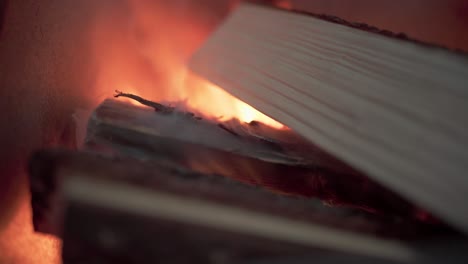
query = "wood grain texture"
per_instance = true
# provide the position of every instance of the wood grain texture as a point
(277, 160)
(394, 109)
(153, 203)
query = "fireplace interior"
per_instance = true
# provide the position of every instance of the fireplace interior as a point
(113, 151)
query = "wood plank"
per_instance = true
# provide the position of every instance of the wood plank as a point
(394, 109)
(109, 205)
(278, 160)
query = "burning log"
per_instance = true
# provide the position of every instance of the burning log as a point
(278, 160)
(169, 178)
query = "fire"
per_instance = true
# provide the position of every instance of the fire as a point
(213, 101)
(143, 50)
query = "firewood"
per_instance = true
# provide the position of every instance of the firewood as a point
(394, 109)
(282, 162)
(115, 207)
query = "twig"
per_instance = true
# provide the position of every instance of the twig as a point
(157, 106)
(166, 109)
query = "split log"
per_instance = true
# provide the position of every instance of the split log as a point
(283, 162)
(392, 108)
(123, 210)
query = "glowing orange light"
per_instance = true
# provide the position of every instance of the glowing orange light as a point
(147, 57)
(213, 101)
(207, 99)
(20, 244)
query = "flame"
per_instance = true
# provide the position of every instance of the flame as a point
(211, 100)
(143, 50)
(140, 47)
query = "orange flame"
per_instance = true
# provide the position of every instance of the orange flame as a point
(213, 101)
(144, 51)
(210, 100)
